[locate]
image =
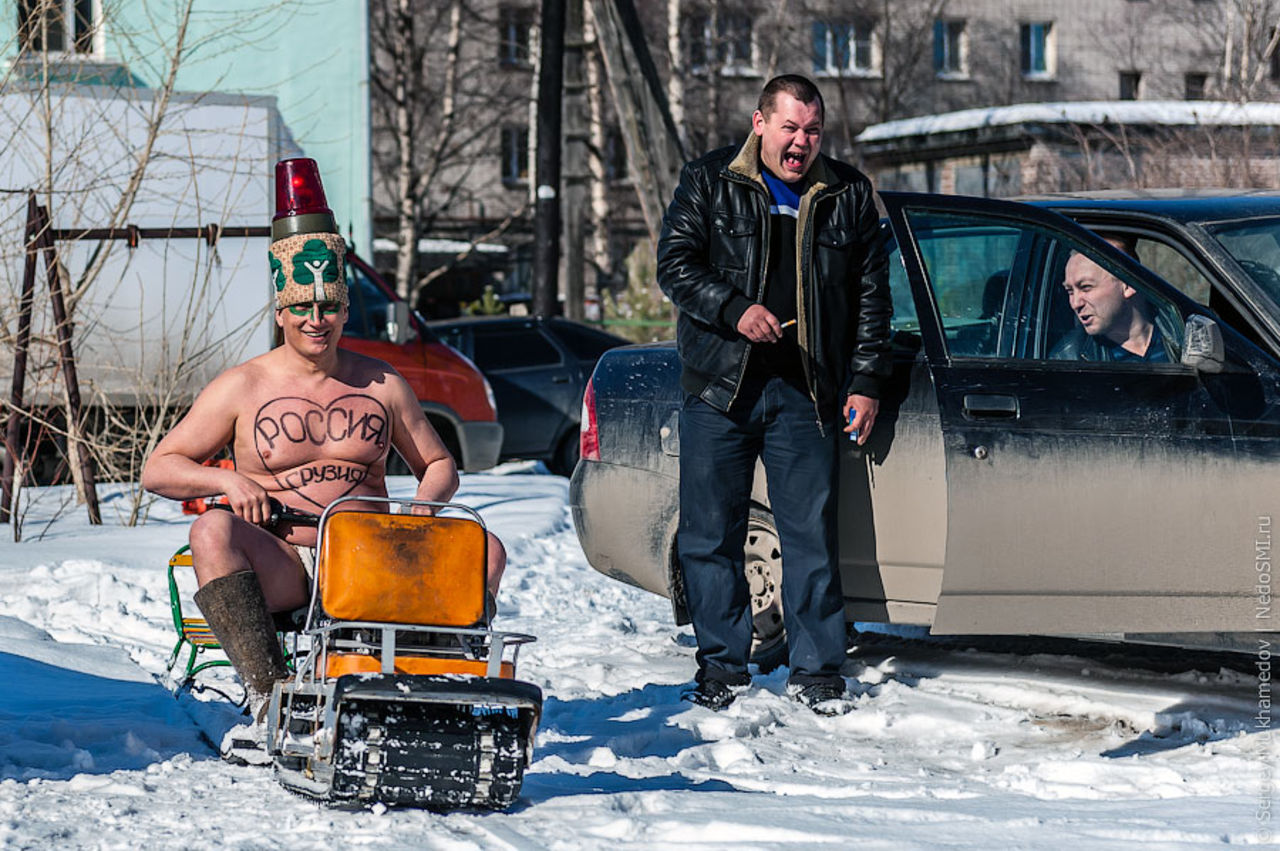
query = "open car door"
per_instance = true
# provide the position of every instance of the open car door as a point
(1083, 497)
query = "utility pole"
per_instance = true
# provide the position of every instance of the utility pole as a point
(578, 153)
(546, 247)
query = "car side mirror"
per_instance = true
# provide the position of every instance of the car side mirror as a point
(398, 322)
(1203, 348)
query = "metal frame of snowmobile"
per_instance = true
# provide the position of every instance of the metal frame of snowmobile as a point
(412, 713)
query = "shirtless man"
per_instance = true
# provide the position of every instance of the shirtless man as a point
(307, 422)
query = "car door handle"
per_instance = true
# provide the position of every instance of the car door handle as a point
(990, 405)
(559, 379)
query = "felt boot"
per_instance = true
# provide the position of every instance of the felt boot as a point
(237, 613)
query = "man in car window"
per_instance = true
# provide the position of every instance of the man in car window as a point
(1115, 319)
(774, 257)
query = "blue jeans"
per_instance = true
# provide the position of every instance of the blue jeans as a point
(776, 422)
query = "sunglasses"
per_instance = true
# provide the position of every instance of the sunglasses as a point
(327, 308)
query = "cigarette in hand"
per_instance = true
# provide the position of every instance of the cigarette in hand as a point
(788, 323)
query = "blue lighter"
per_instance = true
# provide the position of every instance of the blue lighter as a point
(853, 435)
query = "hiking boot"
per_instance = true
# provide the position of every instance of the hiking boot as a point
(824, 698)
(712, 694)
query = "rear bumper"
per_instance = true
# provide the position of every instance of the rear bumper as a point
(480, 443)
(626, 520)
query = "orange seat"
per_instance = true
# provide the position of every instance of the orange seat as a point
(402, 568)
(360, 663)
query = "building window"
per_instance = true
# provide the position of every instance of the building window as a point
(515, 35)
(1130, 83)
(697, 41)
(1194, 85)
(844, 48)
(949, 48)
(57, 26)
(729, 42)
(735, 41)
(1038, 53)
(515, 155)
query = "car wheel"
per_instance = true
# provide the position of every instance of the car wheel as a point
(396, 465)
(566, 457)
(764, 578)
(449, 437)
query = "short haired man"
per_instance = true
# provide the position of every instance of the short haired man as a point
(774, 257)
(1115, 319)
(306, 423)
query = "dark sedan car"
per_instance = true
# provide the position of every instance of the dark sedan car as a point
(1008, 487)
(538, 368)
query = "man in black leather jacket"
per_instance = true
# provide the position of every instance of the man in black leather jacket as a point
(774, 257)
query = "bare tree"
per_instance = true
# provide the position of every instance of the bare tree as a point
(677, 67)
(599, 145)
(98, 157)
(1240, 38)
(439, 112)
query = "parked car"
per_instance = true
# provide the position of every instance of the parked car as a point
(1004, 491)
(538, 368)
(453, 393)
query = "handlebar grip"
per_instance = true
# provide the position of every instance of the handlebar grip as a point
(280, 513)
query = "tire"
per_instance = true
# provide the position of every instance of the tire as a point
(763, 565)
(449, 437)
(566, 457)
(396, 465)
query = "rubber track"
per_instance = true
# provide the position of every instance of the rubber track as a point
(430, 755)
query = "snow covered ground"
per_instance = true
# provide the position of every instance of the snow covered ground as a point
(949, 747)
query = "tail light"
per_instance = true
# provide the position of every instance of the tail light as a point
(589, 440)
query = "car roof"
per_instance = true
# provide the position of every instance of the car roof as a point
(1181, 205)
(507, 319)
(474, 319)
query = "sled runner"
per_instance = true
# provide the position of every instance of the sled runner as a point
(406, 695)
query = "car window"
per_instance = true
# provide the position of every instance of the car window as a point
(1058, 331)
(512, 348)
(1256, 247)
(451, 335)
(904, 304)
(998, 287)
(1175, 267)
(584, 343)
(367, 314)
(968, 262)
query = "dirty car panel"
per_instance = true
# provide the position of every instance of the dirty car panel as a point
(1009, 487)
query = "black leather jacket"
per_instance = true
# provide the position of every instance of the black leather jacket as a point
(712, 252)
(1078, 345)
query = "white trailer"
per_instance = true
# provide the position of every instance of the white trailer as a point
(153, 322)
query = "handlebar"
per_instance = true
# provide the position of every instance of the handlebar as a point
(280, 513)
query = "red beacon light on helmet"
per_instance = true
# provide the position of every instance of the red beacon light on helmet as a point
(300, 203)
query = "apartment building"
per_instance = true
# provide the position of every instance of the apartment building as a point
(877, 61)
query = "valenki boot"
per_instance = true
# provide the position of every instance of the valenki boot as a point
(237, 613)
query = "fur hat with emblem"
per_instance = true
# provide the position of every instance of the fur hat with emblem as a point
(307, 253)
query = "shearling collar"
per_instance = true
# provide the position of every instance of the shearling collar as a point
(747, 163)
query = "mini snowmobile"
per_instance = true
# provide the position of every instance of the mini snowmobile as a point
(405, 694)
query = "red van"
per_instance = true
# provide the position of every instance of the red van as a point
(454, 394)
